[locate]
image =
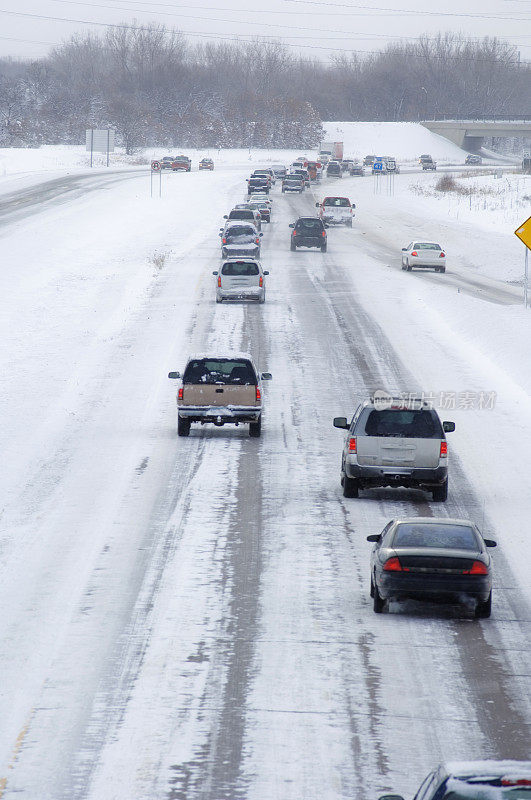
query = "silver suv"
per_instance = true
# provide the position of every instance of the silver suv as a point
(395, 442)
(240, 279)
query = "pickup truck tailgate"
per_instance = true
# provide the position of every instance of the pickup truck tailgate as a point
(209, 395)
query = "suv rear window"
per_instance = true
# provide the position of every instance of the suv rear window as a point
(240, 268)
(241, 213)
(309, 225)
(409, 424)
(426, 246)
(223, 371)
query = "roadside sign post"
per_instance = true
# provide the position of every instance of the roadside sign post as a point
(377, 169)
(524, 234)
(155, 167)
(99, 141)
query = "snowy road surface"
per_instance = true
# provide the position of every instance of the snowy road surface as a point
(190, 618)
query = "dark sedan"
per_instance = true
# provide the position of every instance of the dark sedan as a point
(308, 232)
(425, 558)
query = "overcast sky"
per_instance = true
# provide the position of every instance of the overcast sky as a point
(313, 27)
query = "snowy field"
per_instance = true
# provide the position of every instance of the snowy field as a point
(190, 619)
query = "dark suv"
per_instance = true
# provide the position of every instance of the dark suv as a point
(333, 170)
(308, 232)
(258, 184)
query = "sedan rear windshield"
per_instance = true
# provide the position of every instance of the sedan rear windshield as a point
(241, 213)
(431, 534)
(240, 268)
(223, 371)
(337, 202)
(239, 230)
(426, 246)
(409, 424)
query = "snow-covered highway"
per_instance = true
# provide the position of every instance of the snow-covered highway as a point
(190, 618)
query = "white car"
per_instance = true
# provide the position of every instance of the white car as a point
(262, 198)
(427, 255)
(240, 279)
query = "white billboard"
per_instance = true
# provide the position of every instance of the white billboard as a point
(99, 141)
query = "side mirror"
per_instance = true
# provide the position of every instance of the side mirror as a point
(326, 224)
(448, 427)
(174, 374)
(404, 249)
(261, 234)
(490, 543)
(317, 205)
(225, 216)
(266, 272)
(266, 376)
(341, 422)
(215, 272)
(353, 205)
(374, 537)
(291, 225)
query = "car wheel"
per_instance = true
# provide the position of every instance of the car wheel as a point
(262, 299)
(219, 299)
(483, 610)
(403, 265)
(440, 493)
(371, 591)
(408, 266)
(255, 428)
(183, 426)
(293, 246)
(377, 601)
(350, 487)
(349, 223)
(323, 248)
(442, 269)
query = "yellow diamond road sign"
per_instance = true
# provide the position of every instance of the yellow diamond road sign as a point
(524, 233)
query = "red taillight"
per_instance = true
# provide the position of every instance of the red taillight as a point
(324, 233)
(442, 255)
(224, 240)
(477, 568)
(219, 281)
(393, 565)
(258, 394)
(260, 281)
(180, 393)
(352, 445)
(294, 233)
(414, 253)
(516, 781)
(443, 452)
(257, 240)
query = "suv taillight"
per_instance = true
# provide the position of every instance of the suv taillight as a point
(219, 280)
(414, 253)
(261, 281)
(180, 393)
(442, 255)
(352, 444)
(294, 233)
(224, 240)
(258, 394)
(257, 240)
(443, 452)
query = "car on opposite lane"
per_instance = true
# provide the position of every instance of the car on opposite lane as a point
(425, 255)
(220, 389)
(206, 163)
(395, 441)
(240, 279)
(473, 159)
(308, 232)
(430, 558)
(166, 162)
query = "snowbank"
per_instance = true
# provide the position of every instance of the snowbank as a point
(404, 140)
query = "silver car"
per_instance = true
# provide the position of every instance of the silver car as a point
(240, 279)
(395, 442)
(240, 239)
(428, 255)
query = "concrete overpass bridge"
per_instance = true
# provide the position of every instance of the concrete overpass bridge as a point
(469, 134)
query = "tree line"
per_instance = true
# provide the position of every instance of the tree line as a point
(157, 89)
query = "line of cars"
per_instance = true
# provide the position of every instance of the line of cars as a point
(184, 163)
(390, 442)
(220, 388)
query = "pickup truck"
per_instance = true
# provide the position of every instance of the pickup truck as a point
(222, 390)
(181, 164)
